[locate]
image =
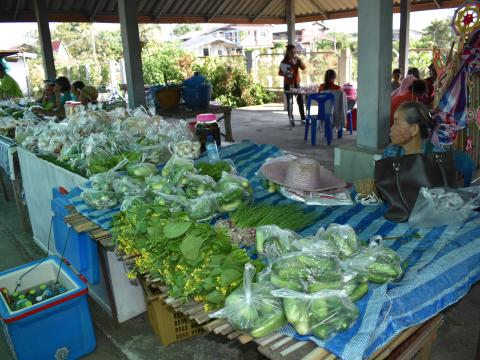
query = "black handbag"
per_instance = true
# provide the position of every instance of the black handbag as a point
(399, 179)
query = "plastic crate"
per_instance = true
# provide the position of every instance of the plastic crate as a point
(170, 326)
(81, 250)
(58, 328)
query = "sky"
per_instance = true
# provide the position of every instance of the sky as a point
(418, 20)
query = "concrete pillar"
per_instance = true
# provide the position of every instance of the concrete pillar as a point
(404, 35)
(357, 161)
(45, 39)
(345, 67)
(249, 60)
(374, 69)
(132, 53)
(290, 7)
(113, 73)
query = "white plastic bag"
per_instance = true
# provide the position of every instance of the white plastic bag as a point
(444, 206)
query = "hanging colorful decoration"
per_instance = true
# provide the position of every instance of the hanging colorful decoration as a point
(466, 18)
(451, 100)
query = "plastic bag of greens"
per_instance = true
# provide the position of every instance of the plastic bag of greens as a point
(322, 314)
(196, 185)
(128, 185)
(306, 271)
(176, 167)
(215, 169)
(186, 149)
(142, 170)
(203, 207)
(252, 308)
(343, 237)
(228, 179)
(176, 203)
(232, 196)
(99, 199)
(278, 241)
(381, 263)
(104, 181)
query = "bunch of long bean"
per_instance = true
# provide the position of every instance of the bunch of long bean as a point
(291, 217)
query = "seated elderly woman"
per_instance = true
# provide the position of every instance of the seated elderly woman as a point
(411, 131)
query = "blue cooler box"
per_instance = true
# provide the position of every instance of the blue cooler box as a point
(58, 328)
(81, 251)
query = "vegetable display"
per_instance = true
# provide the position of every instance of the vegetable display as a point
(252, 308)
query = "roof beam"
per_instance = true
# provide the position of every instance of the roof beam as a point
(100, 4)
(163, 9)
(268, 4)
(437, 4)
(319, 8)
(217, 10)
(20, 5)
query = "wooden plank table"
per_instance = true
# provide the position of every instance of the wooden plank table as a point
(182, 112)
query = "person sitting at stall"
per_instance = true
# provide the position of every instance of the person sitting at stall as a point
(289, 69)
(61, 89)
(9, 88)
(415, 72)
(411, 131)
(88, 95)
(427, 99)
(396, 77)
(47, 100)
(410, 90)
(329, 81)
(76, 87)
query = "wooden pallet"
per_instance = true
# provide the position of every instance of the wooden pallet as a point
(415, 340)
(81, 224)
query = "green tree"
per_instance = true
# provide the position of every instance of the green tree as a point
(182, 29)
(438, 33)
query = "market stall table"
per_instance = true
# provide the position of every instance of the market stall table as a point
(441, 264)
(183, 112)
(39, 178)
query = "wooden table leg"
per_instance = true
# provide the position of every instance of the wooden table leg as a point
(228, 127)
(102, 254)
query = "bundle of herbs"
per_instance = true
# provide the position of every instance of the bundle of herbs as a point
(195, 260)
(248, 216)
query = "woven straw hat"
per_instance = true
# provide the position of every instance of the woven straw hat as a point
(303, 174)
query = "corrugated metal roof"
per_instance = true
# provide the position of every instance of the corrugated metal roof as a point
(176, 11)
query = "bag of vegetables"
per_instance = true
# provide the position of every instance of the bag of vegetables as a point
(99, 199)
(343, 237)
(381, 263)
(196, 185)
(322, 314)
(176, 167)
(252, 308)
(306, 271)
(104, 181)
(142, 170)
(203, 207)
(277, 241)
(234, 190)
(215, 169)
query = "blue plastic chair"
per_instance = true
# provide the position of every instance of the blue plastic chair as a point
(311, 120)
(464, 165)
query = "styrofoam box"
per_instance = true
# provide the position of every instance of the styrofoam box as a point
(58, 328)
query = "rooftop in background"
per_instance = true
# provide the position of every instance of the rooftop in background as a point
(209, 11)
